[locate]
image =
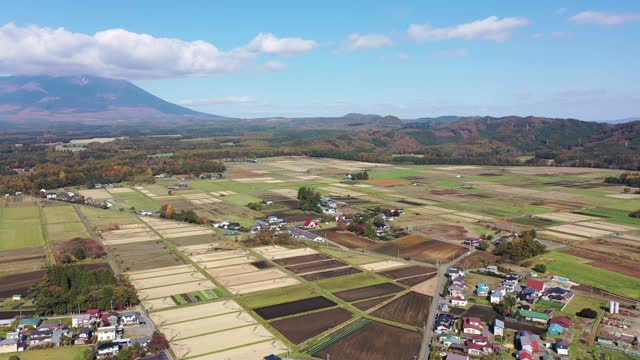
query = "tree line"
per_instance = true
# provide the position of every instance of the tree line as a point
(67, 289)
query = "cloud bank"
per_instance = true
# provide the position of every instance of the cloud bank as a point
(120, 53)
(604, 18)
(491, 28)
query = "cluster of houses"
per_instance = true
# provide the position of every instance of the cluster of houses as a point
(72, 197)
(272, 223)
(93, 326)
(470, 336)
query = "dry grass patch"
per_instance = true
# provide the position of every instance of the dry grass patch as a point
(167, 280)
(206, 325)
(169, 290)
(120, 190)
(580, 230)
(263, 285)
(253, 277)
(383, 265)
(228, 262)
(160, 271)
(185, 313)
(566, 217)
(219, 341)
(254, 351)
(160, 303)
(96, 194)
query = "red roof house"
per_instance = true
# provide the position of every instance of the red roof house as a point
(310, 224)
(536, 284)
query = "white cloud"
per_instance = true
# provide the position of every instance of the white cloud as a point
(450, 53)
(604, 18)
(491, 28)
(365, 42)
(270, 44)
(214, 101)
(120, 53)
(274, 66)
(538, 35)
(115, 53)
(562, 35)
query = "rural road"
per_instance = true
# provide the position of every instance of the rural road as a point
(435, 304)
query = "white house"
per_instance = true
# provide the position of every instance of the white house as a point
(108, 350)
(130, 318)
(106, 333)
(496, 297)
(472, 326)
(458, 301)
(81, 320)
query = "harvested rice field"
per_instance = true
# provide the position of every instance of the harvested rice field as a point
(206, 325)
(192, 312)
(168, 290)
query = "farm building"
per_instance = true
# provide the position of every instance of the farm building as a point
(40, 337)
(29, 322)
(534, 316)
(301, 234)
(498, 327)
(311, 224)
(9, 345)
(459, 301)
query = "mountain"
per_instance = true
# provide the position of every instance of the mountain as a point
(622, 121)
(82, 98)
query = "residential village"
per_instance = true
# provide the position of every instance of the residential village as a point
(521, 315)
(108, 332)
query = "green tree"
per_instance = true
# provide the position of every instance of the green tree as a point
(541, 268)
(483, 246)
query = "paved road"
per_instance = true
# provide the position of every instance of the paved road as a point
(435, 305)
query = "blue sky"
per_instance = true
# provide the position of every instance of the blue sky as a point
(296, 58)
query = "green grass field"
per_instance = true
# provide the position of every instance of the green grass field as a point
(198, 296)
(60, 214)
(614, 215)
(137, 200)
(62, 353)
(350, 281)
(20, 228)
(577, 270)
(66, 231)
(104, 217)
(349, 258)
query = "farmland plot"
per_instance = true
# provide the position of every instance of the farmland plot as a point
(206, 325)
(164, 291)
(194, 312)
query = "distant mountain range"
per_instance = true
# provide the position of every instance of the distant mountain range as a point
(82, 98)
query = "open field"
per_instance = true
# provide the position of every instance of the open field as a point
(60, 353)
(203, 344)
(167, 280)
(194, 312)
(168, 290)
(391, 343)
(140, 256)
(344, 238)
(262, 285)
(578, 270)
(253, 351)
(383, 265)
(301, 328)
(251, 277)
(301, 259)
(276, 296)
(368, 292)
(315, 266)
(411, 308)
(206, 325)
(368, 304)
(331, 274)
(20, 228)
(406, 272)
(293, 307)
(18, 261)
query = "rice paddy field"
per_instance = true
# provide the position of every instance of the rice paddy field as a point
(317, 301)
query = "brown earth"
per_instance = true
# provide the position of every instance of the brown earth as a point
(385, 182)
(417, 279)
(390, 343)
(407, 272)
(410, 240)
(315, 266)
(294, 307)
(485, 313)
(301, 259)
(304, 327)
(432, 250)
(331, 274)
(411, 309)
(19, 283)
(368, 292)
(345, 238)
(368, 304)
(144, 256)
